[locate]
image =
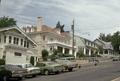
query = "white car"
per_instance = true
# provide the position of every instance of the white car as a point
(32, 70)
(68, 65)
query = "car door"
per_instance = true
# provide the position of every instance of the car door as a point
(41, 66)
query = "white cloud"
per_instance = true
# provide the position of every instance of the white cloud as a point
(93, 16)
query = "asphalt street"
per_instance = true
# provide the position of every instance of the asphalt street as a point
(103, 72)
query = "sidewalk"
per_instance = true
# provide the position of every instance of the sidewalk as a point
(117, 79)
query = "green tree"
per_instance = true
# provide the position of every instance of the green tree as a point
(45, 54)
(2, 62)
(106, 38)
(7, 22)
(80, 53)
(54, 55)
(102, 36)
(61, 27)
(116, 41)
(100, 49)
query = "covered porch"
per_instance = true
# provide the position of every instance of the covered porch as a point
(62, 48)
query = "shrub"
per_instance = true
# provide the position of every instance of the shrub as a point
(45, 55)
(2, 62)
(80, 53)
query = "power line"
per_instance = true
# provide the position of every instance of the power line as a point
(102, 28)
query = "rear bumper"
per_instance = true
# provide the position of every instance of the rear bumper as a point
(32, 73)
(18, 75)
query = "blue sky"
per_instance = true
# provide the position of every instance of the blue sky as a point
(91, 16)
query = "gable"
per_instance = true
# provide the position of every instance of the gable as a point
(13, 32)
(18, 32)
(79, 41)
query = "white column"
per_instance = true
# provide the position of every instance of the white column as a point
(103, 51)
(84, 51)
(70, 51)
(12, 40)
(19, 42)
(55, 47)
(63, 50)
(75, 53)
(108, 52)
(98, 53)
(7, 39)
(89, 52)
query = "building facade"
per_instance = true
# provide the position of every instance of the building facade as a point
(106, 46)
(88, 47)
(49, 38)
(16, 46)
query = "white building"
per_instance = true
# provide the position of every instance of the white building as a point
(49, 38)
(88, 47)
(16, 46)
(106, 46)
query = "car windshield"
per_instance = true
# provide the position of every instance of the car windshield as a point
(12, 67)
(50, 63)
(28, 65)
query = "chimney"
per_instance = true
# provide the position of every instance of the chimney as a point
(39, 23)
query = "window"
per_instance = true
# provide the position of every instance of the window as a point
(51, 39)
(10, 39)
(4, 39)
(0, 38)
(14, 42)
(27, 44)
(17, 41)
(21, 42)
(17, 54)
(44, 37)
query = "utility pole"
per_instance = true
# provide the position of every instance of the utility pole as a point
(0, 7)
(73, 37)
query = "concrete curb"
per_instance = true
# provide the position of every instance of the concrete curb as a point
(117, 79)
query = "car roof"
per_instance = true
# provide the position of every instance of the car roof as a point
(47, 62)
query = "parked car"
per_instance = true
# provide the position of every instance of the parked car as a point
(32, 71)
(4, 73)
(12, 71)
(50, 67)
(68, 58)
(116, 59)
(68, 65)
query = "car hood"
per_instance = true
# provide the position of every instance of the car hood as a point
(32, 68)
(56, 65)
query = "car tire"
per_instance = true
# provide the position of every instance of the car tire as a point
(70, 69)
(5, 78)
(46, 72)
(33, 75)
(20, 78)
(57, 72)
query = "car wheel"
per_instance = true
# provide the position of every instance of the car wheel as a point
(33, 75)
(57, 72)
(5, 78)
(70, 69)
(46, 72)
(20, 78)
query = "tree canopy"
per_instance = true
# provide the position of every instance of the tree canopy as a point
(114, 39)
(45, 54)
(61, 27)
(7, 22)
